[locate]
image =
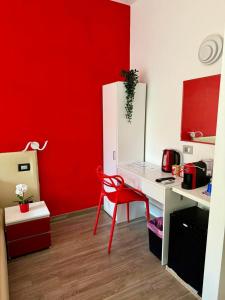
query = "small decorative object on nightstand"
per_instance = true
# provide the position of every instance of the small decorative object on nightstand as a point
(21, 189)
(26, 233)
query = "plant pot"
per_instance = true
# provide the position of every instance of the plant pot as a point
(24, 207)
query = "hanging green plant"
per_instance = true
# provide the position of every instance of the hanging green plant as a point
(131, 80)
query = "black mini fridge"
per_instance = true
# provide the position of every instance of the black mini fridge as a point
(187, 245)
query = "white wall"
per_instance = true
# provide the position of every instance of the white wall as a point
(214, 277)
(165, 38)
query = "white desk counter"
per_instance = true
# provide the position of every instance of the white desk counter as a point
(195, 195)
(143, 178)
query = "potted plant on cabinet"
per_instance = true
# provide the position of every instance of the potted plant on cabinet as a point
(21, 189)
(131, 80)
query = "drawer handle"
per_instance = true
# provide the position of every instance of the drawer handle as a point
(114, 155)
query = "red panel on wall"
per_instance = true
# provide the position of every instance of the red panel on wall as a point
(55, 56)
(200, 105)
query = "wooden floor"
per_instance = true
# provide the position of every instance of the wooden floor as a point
(77, 265)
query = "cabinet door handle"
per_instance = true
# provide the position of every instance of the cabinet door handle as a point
(114, 155)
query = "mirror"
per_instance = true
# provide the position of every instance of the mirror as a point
(199, 111)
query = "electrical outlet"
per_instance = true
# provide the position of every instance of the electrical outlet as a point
(187, 149)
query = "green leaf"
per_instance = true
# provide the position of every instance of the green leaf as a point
(131, 80)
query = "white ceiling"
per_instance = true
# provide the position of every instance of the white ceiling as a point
(128, 2)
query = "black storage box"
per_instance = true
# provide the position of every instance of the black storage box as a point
(155, 230)
(187, 245)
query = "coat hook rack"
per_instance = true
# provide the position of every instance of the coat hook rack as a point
(35, 146)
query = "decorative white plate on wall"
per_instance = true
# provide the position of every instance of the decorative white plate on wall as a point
(211, 49)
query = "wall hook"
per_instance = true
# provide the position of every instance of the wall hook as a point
(35, 146)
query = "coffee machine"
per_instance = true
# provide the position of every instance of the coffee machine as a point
(196, 175)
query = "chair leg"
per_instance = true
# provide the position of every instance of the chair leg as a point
(128, 212)
(98, 213)
(147, 210)
(112, 228)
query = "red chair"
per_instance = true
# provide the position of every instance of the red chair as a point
(120, 194)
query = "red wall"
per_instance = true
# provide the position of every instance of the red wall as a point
(55, 55)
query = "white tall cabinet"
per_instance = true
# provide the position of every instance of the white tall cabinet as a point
(122, 141)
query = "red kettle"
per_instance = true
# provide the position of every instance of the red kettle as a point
(170, 157)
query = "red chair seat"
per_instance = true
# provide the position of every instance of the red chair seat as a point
(124, 196)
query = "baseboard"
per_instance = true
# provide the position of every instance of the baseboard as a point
(187, 286)
(73, 214)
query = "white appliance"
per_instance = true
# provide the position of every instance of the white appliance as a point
(122, 141)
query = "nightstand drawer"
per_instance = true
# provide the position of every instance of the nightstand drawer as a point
(26, 229)
(28, 245)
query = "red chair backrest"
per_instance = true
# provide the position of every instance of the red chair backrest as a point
(115, 182)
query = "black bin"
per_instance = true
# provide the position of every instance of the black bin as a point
(155, 232)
